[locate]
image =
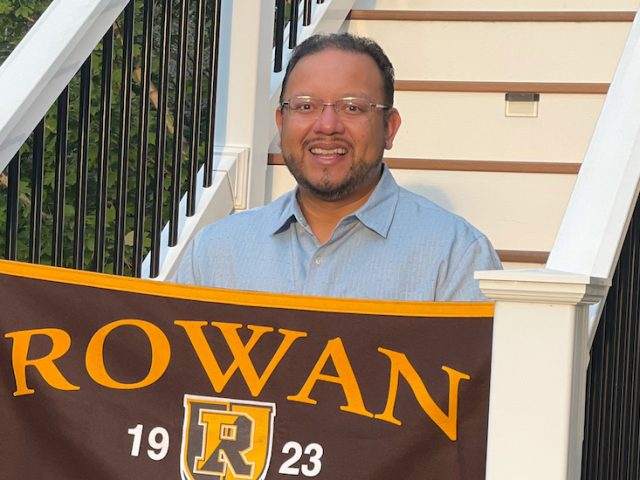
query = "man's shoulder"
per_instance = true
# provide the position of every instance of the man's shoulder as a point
(259, 219)
(426, 216)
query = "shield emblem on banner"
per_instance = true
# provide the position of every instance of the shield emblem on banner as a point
(226, 439)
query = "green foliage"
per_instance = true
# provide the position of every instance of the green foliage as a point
(16, 17)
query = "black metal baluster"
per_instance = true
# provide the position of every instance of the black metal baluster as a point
(82, 166)
(611, 446)
(293, 24)
(37, 175)
(62, 123)
(141, 167)
(634, 433)
(279, 35)
(196, 110)
(610, 386)
(306, 15)
(161, 134)
(104, 134)
(617, 392)
(176, 170)
(13, 199)
(214, 50)
(625, 380)
(590, 414)
(632, 414)
(123, 146)
(630, 433)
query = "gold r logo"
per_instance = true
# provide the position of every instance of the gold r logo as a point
(226, 439)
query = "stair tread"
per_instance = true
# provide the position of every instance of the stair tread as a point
(501, 87)
(501, 166)
(492, 16)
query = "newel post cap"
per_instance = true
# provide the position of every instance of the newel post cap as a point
(542, 286)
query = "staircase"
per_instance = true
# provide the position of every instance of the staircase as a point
(510, 174)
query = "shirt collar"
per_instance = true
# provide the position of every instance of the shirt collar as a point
(376, 214)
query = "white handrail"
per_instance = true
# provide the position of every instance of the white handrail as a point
(594, 225)
(599, 211)
(44, 62)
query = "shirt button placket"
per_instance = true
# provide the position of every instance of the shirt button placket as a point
(312, 273)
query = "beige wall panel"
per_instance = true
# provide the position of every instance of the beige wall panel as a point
(279, 181)
(506, 5)
(473, 126)
(502, 51)
(516, 211)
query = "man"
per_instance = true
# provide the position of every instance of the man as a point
(348, 230)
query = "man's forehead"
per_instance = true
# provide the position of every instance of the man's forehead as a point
(334, 61)
(337, 54)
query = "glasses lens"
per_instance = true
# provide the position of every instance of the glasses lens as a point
(306, 105)
(352, 106)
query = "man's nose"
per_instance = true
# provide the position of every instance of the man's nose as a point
(329, 121)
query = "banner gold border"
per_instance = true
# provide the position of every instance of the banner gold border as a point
(247, 298)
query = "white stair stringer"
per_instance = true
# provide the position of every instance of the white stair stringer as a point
(227, 193)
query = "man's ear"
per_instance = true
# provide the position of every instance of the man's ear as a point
(391, 126)
(279, 124)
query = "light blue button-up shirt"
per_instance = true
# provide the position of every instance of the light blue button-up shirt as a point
(397, 246)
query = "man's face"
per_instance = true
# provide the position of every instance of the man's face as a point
(332, 156)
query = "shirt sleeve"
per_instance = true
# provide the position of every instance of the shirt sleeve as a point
(186, 272)
(458, 284)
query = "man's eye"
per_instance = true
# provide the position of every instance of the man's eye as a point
(353, 108)
(305, 107)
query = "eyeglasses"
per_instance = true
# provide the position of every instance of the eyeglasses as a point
(348, 107)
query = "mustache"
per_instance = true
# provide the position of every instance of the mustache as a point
(326, 142)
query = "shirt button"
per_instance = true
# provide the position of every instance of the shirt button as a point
(318, 261)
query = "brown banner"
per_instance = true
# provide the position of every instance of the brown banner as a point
(109, 378)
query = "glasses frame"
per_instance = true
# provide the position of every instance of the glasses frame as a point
(372, 106)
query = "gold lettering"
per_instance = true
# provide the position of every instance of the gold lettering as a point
(346, 378)
(240, 352)
(400, 365)
(160, 354)
(61, 342)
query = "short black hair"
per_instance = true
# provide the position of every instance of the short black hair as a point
(348, 43)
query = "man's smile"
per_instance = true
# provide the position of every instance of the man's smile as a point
(328, 151)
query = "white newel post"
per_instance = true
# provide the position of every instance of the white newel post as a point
(538, 377)
(243, 113)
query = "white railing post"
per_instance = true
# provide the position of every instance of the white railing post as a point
(244, 78)
(538, 372)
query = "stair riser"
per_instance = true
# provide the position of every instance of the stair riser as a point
(473, 126)
(502, 51)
